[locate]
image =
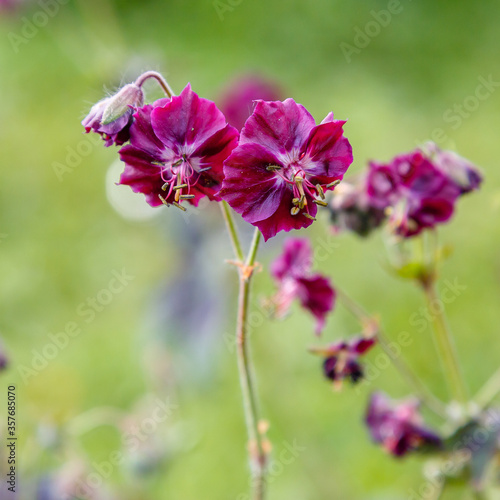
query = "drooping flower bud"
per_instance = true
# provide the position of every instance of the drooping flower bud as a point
(460, 170)
(111, 117)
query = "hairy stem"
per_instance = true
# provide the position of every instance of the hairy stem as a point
(258, 456)
(153, 74)
(231, 229)
(256, 445)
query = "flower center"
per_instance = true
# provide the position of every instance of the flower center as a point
(303, 189)
(178, 178)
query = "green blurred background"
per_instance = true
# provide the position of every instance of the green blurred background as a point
(61, 240)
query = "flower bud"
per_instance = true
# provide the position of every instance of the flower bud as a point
(111, 117)
(119, 104)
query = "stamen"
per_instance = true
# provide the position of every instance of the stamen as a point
(321, 203)
(295, 210)
(177, 196)
(165, 186)
(412, 225)
(178, 162)
(273, 168)
(180, 186)
(334, 183)
(187, 196)
(302, 201)
(295, 201)
(178, 206)
(321, 193)
(204, 169)
(305, 214)
(299, 183)
(163, 200)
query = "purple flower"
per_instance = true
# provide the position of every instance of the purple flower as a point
(398, 427)
(111, 118)
(464, 174)
(292, 272)
(239, 99)
(342, 358)
(282, 163)
(418, 193)
(350, 208)
(176, 151)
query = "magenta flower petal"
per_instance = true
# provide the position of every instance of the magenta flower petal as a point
(141, 174)
(328, 151)
(318, 297)
(278, 126)
(186, 120)
(360, 346)
(282, 220)
(254, 204)
(142, 135)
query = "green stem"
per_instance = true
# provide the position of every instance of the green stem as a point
(231, 228)
(489, 391)
(425, 395)
(153, 74)
(252, 254)
(445, 345)
(256, 447)
(257, 452)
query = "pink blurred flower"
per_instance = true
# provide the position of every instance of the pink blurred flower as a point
(238, 100)
(292, 272)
